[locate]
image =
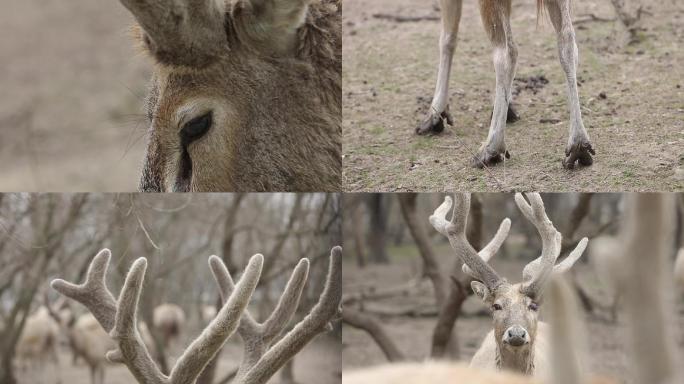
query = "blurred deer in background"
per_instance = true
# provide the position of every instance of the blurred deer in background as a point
(262, 357)
(496, 16)
(168, 320)
(518, 342)
(245, 95)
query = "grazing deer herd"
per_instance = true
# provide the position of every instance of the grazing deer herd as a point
(496, 15)
(245, 95)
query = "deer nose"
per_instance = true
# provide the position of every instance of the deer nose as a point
(516, 336)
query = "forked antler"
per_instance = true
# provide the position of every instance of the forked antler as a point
(474, 263)
(261, 360)
(537, 272)
(119, 318)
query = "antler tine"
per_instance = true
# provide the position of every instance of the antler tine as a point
(317, 321)
(474, 263)
(118, 319)
(93, 293)
(257, 337)
(203, 349)
(183, 32)
(131, 349)
(537, 272)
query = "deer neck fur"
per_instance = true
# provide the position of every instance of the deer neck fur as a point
(521, 360)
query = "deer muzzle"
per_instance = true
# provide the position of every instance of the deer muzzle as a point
(516, 336)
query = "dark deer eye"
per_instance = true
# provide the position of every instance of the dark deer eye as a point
(497, 307)
(196, 128)
(534, 307)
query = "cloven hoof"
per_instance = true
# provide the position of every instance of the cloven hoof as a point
(434, 123)
(581, 153)
(488, 158)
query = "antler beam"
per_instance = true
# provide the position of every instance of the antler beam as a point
(119, 318)
(538, 271)
(261, 360)
(474, 263)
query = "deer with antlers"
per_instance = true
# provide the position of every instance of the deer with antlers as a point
(263, 354)
(518, 341)
(246, 95)
(496, 16)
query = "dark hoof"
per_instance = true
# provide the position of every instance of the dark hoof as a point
(511, 115)
(486, 158)
(579, 153)
(435, 124)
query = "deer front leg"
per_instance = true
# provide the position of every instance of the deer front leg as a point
(496, 19)
(579, 146)
(439, 109)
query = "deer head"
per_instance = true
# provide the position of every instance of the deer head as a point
(515, 307)
(262, 357)
(245, 94)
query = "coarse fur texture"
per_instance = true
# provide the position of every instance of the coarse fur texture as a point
(496, 16)
(519, 340)
(272, 90)
(118, 318)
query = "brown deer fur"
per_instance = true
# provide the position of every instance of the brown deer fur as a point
(273, 89)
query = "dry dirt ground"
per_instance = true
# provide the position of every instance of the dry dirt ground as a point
(71, 85)
(607, 344)
(317, 363)
(632, 100)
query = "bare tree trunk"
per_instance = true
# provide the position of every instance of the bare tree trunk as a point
(474, 229)
(377, 233)
(369, 324)
(443, 335)
(431, 267)
(357, 231)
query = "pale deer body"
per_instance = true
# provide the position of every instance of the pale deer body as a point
(168, 320)
(518, 341)
(92, 343)
(496, 19)
(245, 95)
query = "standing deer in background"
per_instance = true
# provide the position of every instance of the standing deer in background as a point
(518, 342)
(168, 320)
(496, 16)
(245, 95)
(262, 357)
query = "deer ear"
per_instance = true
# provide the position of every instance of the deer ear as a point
(277, 21)
(481, 291)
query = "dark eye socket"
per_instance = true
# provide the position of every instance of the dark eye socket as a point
(196, 128)
(497, 307)
(534, 307)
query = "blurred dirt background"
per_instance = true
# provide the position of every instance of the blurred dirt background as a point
(70, 106)
(631, 96)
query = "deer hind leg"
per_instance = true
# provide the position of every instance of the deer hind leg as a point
(439, 109)
(496, 19)
(579, 146)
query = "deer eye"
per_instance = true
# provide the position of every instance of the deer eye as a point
(497, 307)
(196, 128)
(533, 307)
